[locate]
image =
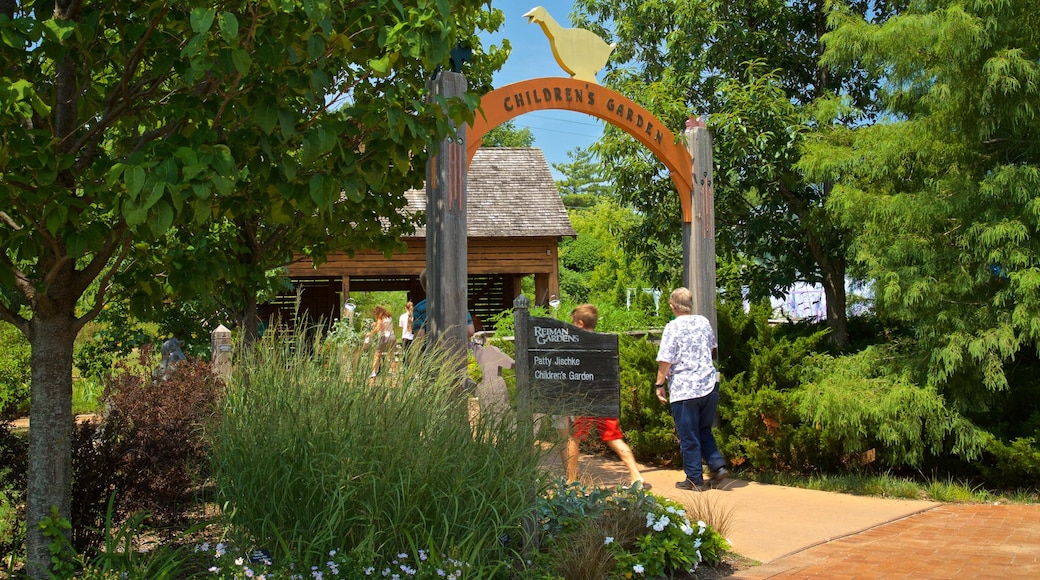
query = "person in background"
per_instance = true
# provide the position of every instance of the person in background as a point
(585, 317)
(419, 314)
(405, 322)
(685, 361)
(382, 335)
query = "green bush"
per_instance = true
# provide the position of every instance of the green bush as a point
(858, 402)
(1015, 464)
(620, 533)
(647, 424)
(759, 422)
(14, 464)
(15, 372)
(112, 336)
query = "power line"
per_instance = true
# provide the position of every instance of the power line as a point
(562, 132)
(561, 120)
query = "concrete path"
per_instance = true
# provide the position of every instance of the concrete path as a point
(804, 534)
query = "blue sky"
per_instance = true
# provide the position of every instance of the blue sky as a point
(555, 132)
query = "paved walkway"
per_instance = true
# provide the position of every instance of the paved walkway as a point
(804, 534)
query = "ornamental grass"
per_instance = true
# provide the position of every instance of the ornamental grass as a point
(313, 456)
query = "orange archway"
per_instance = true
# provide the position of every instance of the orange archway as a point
(508, 102)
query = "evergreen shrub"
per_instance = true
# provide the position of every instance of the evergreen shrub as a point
(646, 422)
(860, 402)
(1014, 465)
(761, 371)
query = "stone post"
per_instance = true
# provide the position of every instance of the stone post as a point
(220, 339)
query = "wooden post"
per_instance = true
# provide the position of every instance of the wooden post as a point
(521, 334)
(344, 295)
(446, 241)
(525, 419)
(699, 235)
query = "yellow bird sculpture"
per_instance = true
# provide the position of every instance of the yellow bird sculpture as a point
(578, 51)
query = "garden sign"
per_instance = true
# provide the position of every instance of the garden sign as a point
(568, 370)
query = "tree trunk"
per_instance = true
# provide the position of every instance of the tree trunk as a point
(834, 291)
(833, 271)
(832, 268)
(250, 320)
(50, 431)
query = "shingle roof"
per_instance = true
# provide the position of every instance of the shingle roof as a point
(509, 193)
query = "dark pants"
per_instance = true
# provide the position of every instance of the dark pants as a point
(693, 421)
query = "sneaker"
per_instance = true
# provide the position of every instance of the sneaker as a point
(718, 475)
(690, 485)
(645, 485)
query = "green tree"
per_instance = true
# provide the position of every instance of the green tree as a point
(598, 269)
(583, 179)
(126, 124)
(942, 198)
(752, 68)
(508, 135)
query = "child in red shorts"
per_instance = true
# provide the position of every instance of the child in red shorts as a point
(585, 317)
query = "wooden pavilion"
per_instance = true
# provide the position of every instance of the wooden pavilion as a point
(515, 220)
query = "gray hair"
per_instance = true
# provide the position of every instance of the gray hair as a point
(681, 301)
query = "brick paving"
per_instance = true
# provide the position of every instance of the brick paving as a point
(974, 541)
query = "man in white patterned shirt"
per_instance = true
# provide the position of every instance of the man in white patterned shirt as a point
(684, 360)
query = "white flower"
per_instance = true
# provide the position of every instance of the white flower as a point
(220, 550)
(239, 561)
(214, 569)
(649, 520)
(686, 529)
(332, 552)
(638, 568)
(608, 540)
(369, 570)
(403, 556)
(662, 523)
(423, 554)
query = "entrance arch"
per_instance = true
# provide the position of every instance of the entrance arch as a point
(508, 102)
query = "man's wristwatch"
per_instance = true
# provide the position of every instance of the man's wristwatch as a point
(658, 386)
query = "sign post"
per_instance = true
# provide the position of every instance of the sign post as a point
(565, 370)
